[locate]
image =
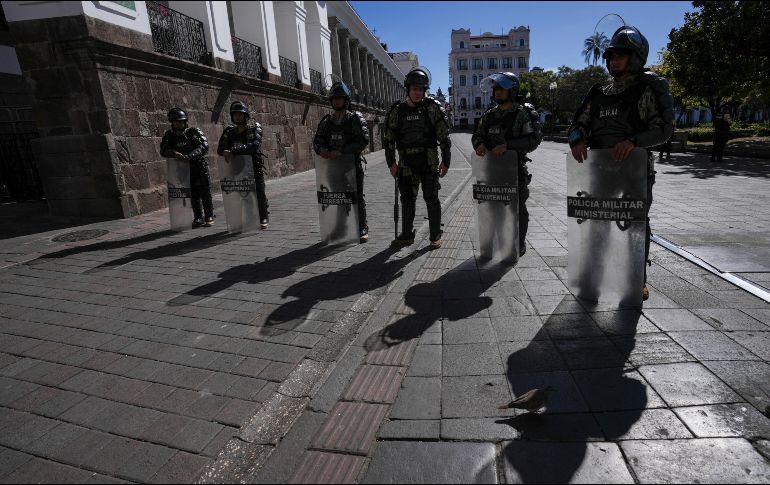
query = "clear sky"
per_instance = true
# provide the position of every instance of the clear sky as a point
(557, 29)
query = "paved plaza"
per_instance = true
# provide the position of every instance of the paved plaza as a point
(143, 355)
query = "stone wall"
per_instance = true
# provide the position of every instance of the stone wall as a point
(101, 96)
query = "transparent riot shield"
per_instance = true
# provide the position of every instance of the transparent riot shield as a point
(607, 231)
(496, 191)
(337, 199)
(239, 193)
(180, 211)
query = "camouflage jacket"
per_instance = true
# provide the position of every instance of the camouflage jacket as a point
(349, 134)
(435, 133)
(193, 143)
(517, 128)
(655, 109)
(247, 143)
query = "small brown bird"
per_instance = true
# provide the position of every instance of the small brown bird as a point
(531, 400)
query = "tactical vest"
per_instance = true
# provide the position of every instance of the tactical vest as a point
(615, 117)
(339, 134)
(500, 128)
(415, 129)
(182, 143)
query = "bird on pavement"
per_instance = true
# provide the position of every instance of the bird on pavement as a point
(531, 400)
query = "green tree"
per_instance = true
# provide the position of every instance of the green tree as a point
(705, 57)
(594, 47)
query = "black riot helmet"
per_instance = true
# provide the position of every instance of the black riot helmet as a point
(177, 114)
(419, 76)
(239, 107)
(339, 90)
(505, 80)
(629, 39)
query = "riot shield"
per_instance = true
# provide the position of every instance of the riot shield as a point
(497, 194)
(337, 194)
(180, 212)
(606, 210)
(239, 193)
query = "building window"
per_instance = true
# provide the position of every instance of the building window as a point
(521, 42)
(476, 46)
(475, 80)
(462, 45)
(507, 62)
(477, 102)
(463, 104)
(522, 63)
(462, 64)
(462, 80)
(491, 63)
(503, 45)
(478, 64)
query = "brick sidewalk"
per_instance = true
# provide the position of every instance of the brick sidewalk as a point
(270, 358)
(139, 358)
(674, 393)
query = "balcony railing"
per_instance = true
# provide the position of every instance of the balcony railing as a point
(248, 58)
(316, 83)
(176, 34)
(289, 72)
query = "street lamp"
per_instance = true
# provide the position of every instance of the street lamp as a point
(553, 87)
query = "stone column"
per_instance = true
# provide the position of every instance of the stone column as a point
(380, 84)
(362, 53)
(345, 56)
(335, 47)
(355, 64)
(372, 76)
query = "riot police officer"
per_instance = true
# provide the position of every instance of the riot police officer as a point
(633, 110)
(244, 138)
(510, 125)
(345, 131)
(190, 144)
(415, 127)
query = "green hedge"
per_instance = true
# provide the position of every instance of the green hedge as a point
(705, 131)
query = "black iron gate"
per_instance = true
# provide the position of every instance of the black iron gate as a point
(18, 174)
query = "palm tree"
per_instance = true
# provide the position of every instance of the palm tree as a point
(594, 47)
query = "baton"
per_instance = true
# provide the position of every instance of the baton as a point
(395, 207)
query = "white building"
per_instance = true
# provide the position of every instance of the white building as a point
(406, 61)
(146, 56)
(473, 58)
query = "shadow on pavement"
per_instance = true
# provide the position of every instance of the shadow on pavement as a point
(254, 273)
(24, 218)
(454, 296)
(697, 165)
(572, 353)
(375, 272)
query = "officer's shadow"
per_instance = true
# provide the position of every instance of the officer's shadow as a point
(254, 273)
(598, 395)
(456, 295)
(368, 276)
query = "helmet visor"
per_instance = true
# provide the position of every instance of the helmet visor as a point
(498, 79)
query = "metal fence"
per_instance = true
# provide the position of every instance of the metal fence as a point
(316, 82)
(176, 34)
(18, 173)
(289, 72)
(248, 58)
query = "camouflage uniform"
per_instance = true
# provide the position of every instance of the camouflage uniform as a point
(349, 134)
(638, 109)
(248, 143)
(416, 132)
(193, 143)
(518, 129)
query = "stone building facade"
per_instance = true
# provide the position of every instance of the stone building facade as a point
(102, 76)
(474, 57)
